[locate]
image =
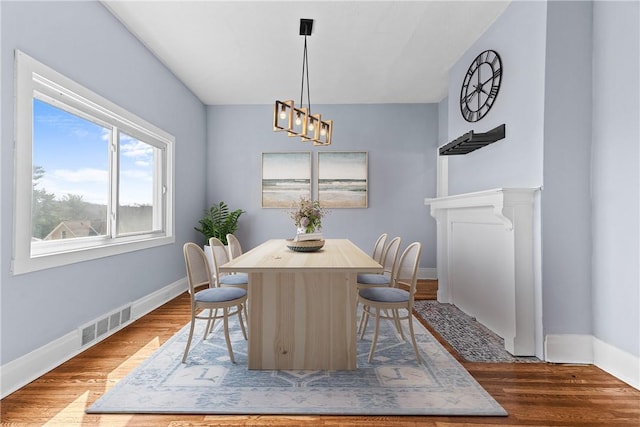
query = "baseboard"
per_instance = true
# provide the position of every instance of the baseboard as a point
(21, 371)
(586, 349)
(427, 273)
(569, 348)
(618, 363)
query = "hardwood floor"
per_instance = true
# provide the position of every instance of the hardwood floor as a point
(427, 289)
(534, 394)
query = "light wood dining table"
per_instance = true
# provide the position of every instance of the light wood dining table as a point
(302, 305)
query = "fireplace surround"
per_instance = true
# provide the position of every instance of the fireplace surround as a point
(485, 260)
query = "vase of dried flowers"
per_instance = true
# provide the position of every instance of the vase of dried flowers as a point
(307, 215)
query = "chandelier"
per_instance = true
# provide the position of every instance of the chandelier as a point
(299, 121)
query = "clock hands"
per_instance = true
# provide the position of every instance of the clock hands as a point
(477, 89)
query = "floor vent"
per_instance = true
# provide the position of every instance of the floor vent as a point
(102, 327)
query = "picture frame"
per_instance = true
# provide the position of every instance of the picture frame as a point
(343, 179)
(286, 177)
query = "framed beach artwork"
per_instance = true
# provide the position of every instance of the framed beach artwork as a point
(285, 178)
(343, 179)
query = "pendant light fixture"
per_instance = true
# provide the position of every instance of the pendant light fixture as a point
(298, 121)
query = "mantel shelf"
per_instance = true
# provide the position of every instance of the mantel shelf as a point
(471, 141)
(498, 199)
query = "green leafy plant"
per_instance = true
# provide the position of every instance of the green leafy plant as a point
(218, 222)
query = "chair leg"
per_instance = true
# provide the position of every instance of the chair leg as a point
(186, 350)
(396, 320)
(375, 335)
(413, 339)
(225, 313)
(364, 320)
(210, 322)
(244, 331)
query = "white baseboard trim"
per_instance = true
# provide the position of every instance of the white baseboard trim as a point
(569, 348)
(619, 363)
(21, 371)
(587, 349)
(428, 273)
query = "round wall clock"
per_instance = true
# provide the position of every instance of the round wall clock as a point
(480, 86)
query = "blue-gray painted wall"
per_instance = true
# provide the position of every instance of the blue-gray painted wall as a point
(400, 140)
(566, 213)
(572, 127)
(83, 41)
(615, 176)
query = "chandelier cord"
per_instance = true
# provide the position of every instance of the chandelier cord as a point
(305, 66)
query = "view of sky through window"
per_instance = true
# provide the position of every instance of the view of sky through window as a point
(74, 154)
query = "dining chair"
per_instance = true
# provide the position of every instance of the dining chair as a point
(388, 261)
(211, 299)
(385, 302)
(220, 256)
(378, 248)
(235, 249)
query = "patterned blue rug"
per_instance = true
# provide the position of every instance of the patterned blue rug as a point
(394, 384)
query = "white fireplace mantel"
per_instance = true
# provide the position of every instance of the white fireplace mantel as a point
(485, 260)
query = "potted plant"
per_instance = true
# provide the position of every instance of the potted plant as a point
(218, 221)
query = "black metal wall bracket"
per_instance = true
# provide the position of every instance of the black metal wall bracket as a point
(471, 141)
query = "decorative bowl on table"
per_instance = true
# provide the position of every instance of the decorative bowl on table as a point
(305, 245)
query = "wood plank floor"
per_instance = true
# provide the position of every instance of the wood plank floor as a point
(536, 394)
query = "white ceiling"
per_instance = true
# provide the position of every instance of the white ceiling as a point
(250, 52)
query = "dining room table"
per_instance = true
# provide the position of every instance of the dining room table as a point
(302, 305)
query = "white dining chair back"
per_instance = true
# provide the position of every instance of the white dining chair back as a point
(368, 280)
(235, 249)
(378, 248)
(221, 257)
(206, 303)
(389, 258)
(385, 302)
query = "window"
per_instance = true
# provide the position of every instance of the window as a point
(92, 179)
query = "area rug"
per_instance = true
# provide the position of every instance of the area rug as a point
(470, 339)
(394, 384)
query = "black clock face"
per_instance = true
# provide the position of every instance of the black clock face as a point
(480, 86)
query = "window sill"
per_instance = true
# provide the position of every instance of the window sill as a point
(42, 262)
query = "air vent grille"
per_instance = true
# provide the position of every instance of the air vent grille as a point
(100, 329)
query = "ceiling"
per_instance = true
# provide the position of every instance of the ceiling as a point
(360, 52)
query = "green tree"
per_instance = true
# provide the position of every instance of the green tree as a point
(44, 215)
(72, 207)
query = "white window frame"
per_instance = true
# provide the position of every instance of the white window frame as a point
(33, 78)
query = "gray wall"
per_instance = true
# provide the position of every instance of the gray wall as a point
(570, 69)
(566, 210)
(83, 41)
(615, 178)
(518, 36)
(400, 139)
